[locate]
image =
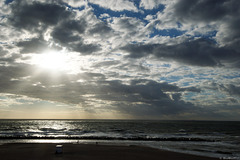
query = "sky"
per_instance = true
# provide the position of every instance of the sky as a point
(120, 59)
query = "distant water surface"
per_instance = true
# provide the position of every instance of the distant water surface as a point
(209, 138)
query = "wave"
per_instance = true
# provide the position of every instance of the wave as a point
(109, 138)
(52, 129)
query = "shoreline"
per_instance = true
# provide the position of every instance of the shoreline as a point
(38, 151)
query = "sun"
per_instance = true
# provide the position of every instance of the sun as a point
(52, 60)
(61, 61)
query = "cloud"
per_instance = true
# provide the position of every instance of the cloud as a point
(218, 22)
(198, 52)
(35, 45)
(36, 16)
(152, 58)
(128, 29)
(76, 3)
(52, 22)
(151, 4)
(6, 58)
(205, 10)
(101, 28)
(233, 90)
(68, 89)
(222, 13)
(143, 97)
(128, 25)
(70, 34)
(116, 5)
(2, 52)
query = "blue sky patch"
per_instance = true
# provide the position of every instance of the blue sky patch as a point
(231, 77)
(207, 35)
(171, 79)
(166, 65)
(166, 32)
(8, 1)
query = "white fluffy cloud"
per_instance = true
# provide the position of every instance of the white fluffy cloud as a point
(116, 5)
(151, 4)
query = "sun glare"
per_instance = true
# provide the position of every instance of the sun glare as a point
(69, 62)
(52, 60)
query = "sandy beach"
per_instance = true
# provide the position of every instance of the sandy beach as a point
(42, 151)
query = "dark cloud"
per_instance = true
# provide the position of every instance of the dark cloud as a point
(106, 64)
(203, 10)
(66, 37)
(144, 97)
(197, 52)
(157, 109)
(6, 58)
(66, 31)
(9, 60)
(2, 51)
(224, 12)
(86, 49)
(70, 33)
(35, 45)
(231, 36)
(36, 15)
(100, 28)
(9, 74)
(74, 25)
(231, 89)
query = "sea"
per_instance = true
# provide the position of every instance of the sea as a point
(220, 139)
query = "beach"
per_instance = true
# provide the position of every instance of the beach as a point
(46, 151)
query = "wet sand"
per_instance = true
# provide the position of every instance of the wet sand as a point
(42, 151)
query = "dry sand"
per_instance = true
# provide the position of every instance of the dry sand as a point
(42, 151)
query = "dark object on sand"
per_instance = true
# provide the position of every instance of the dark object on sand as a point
(59, 149)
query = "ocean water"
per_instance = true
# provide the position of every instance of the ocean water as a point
(209, 138)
